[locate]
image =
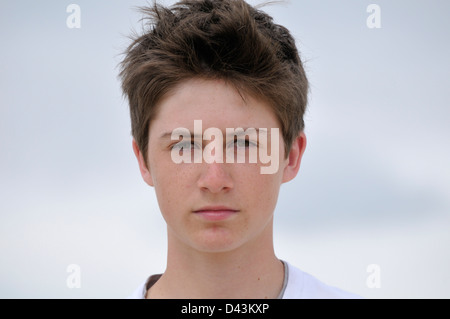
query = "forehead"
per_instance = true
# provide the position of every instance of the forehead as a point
(216, 103)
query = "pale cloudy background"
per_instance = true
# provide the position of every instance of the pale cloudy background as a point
(374, 184)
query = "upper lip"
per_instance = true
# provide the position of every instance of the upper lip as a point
(215, 208)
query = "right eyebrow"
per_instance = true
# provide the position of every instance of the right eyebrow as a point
(179, 132)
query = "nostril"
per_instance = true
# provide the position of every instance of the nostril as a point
(215, 178)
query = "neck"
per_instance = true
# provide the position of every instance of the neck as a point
(249, 271)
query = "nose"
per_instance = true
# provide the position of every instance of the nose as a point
(215, 178)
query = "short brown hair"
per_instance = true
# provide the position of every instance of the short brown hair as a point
(214, 39)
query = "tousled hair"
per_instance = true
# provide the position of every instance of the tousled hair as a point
(213, 39)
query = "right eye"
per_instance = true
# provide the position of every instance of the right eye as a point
(184, 145)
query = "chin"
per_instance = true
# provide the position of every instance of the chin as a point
(216, 241)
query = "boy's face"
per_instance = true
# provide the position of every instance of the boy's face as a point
(219, 206)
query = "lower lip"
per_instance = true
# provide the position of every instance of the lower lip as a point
(216, 215)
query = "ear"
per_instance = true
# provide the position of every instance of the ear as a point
(145, 171)
(294, 158)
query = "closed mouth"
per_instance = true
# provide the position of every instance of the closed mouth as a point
(215, 209)
(216, 213)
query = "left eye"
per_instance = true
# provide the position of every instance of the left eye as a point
(243, 143)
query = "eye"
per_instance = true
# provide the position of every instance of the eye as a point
(243, 143)
(184, 145)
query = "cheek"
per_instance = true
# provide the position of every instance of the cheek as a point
(268, 189)
(258, 190)
(165, 173)
(173, 186)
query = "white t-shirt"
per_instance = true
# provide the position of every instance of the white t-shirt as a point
(297, 285)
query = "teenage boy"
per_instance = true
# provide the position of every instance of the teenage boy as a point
(217, 94)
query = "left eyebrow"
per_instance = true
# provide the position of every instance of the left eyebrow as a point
(244, 131)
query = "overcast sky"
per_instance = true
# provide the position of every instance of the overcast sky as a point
(373, 187)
